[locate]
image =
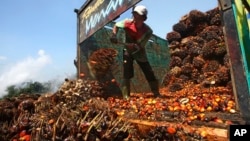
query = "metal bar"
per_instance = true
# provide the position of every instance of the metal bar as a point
(84, 5)
(77, 45)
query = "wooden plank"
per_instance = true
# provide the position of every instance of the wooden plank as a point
(213, 134)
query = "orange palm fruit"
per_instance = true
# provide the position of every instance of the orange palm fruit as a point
(171, 130)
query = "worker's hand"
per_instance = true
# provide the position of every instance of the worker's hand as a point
(132, 46)
(114, 39)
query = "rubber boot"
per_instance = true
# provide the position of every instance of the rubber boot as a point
(154, 85)
(126, 88)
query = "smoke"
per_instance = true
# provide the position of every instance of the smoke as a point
(23, 71)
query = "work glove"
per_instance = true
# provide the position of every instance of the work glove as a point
(133, 48)
(114, 39)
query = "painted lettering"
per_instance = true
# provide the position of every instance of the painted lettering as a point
(96, 18)
(90, 9)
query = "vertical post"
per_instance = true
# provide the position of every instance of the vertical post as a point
(239, 79)
(77, 63)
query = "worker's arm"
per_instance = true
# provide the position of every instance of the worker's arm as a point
(113, 38)
(117, 26)
(120, 24)
(115, 30)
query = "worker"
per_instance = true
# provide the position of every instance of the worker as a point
(137, 33)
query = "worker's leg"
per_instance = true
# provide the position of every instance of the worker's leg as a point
(128, 73)
(149, 74)
(126, 88)
(154, 85)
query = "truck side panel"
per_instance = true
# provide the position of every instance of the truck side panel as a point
(238, 72)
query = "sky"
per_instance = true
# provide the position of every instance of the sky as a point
(38, 37)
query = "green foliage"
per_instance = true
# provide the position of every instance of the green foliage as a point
(28, 88)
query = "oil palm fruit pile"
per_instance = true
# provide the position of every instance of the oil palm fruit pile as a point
(75, 113)
(198, 97)
(198, 51)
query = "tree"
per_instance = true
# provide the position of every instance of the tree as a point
(28, 88)
(12, 91)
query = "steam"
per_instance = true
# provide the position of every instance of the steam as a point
(23, 71)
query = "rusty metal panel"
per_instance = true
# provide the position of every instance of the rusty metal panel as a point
(97, 13)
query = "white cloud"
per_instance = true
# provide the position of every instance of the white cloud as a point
(25, 70)
(3, 58)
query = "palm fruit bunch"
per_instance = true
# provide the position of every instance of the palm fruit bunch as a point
(101, 62)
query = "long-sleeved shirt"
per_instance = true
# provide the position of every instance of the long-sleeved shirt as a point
(138, 36)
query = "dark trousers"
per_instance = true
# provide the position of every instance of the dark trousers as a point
(128, 69)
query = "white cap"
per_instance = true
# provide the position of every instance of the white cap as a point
(141, 10)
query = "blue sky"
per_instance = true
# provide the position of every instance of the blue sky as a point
(38, 37)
